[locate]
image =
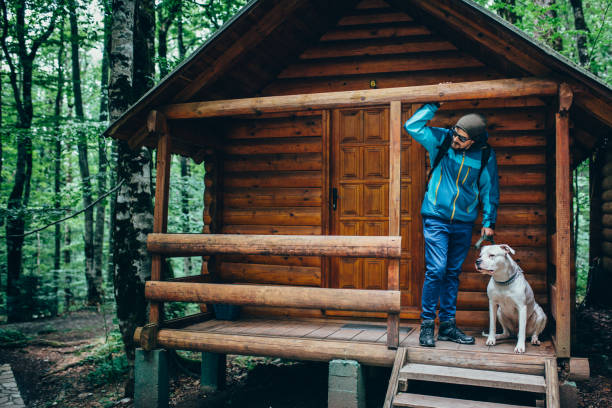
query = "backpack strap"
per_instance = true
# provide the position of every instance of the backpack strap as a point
(442, 149)
(484, 159)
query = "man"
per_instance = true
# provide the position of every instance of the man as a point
(450, 207)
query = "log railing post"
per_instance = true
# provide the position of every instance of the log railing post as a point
(562, 242)
(395, 129)
(157, 124)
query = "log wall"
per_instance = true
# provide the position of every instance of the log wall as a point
(275, 172)
(273, 185)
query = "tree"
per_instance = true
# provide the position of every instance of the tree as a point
(58, 159)
(94, 281)
(507, 10)
(549, 22)
(166, 13)
(582, 31)
(102, 159)
(131, 51)
(21, 82)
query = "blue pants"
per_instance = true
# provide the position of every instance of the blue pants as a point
(446, 246)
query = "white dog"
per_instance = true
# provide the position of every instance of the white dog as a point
(511, 298)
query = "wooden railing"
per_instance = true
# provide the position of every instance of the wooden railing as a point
(177, 245)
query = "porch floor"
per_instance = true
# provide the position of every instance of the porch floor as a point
(365, 341)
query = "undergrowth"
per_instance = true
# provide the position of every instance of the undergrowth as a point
(12, 338)
(108, 360)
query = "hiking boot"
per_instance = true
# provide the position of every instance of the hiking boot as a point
(450, 332)
(426, 337)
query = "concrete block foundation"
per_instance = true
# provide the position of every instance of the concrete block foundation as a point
(151, 379)
(213, 372)
(346, 385)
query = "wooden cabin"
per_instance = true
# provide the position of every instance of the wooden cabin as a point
(313, 189)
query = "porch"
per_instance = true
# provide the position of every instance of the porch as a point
(361, 340)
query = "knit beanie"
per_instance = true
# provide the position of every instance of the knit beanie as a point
(475, 125)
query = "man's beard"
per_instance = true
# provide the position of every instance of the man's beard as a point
(456, 146)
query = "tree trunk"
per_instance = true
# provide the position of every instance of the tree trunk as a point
(187, 264)
(133, 26)
(58, 163)
(179, 29)
(1, 180)
(582, 30)
(68, 295)
(144, 48)
(102, 158)
(549, 33)
(94, 282)
(507, 10)
(162, 33)
(105, 55)
(22, 93)
(162, 48)
(112, 167)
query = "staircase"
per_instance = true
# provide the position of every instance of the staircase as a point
(404, 371)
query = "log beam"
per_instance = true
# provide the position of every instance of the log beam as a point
(500, 88)
(395, 129)
(275, 296)
(326, 350)
(157, 125)
(286, 245)
(563, 234)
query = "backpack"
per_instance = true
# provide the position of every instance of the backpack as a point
(443, 148)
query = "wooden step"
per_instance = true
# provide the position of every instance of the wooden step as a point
(428, 401)
(468, 376)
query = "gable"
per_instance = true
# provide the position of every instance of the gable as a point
(320, 46)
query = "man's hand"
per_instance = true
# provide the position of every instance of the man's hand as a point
(490, 232)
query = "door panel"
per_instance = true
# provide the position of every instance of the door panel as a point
(375, 200)
(359, 165)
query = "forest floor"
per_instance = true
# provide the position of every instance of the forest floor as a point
(76, 361)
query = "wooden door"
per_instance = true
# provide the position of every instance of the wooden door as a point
(360, 174)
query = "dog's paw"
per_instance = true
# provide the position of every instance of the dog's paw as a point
(535, 341)
(490, 341)
(519, 349)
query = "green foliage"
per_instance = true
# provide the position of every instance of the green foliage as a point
(554, 25)
(109, 361)
(12, 338)
(581, 222)
(109, 371)
(37, 299)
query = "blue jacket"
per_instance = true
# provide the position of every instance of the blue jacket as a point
(453, 191)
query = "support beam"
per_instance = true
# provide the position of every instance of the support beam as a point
(157, 124)
(395, 129)
(500, 88)
(276, 296)
(376, 354)
(286, 245)
(212, 376)
(552, 383)
(563, 234)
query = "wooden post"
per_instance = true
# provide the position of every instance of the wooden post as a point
(563, 235)
(156, 123)
(395, 129)
(325, 187)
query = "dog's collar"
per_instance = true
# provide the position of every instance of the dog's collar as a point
(509, 281)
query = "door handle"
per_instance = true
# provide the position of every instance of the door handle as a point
(334, 198)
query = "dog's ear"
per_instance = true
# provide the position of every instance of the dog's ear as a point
(507, 248)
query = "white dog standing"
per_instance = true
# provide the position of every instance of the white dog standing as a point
(511, 299)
